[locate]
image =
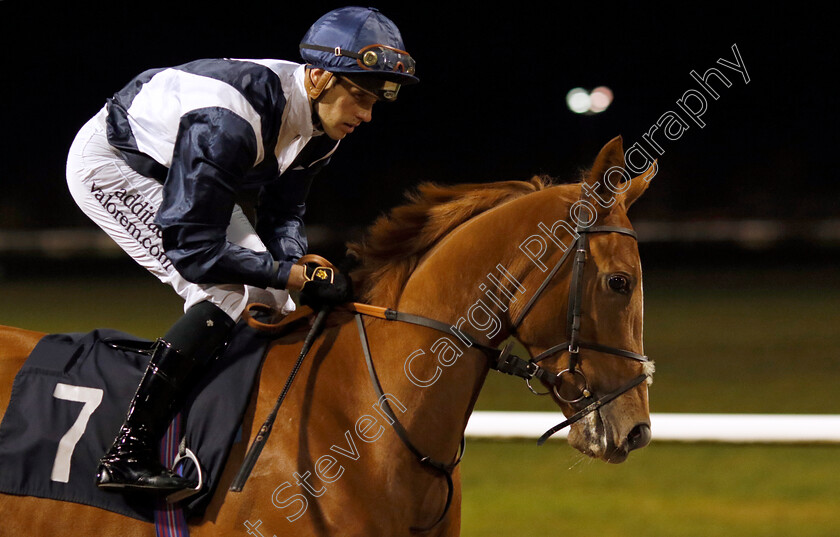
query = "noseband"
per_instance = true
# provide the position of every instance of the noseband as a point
(573, 374)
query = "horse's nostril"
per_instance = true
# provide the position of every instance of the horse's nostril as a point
(639, 436)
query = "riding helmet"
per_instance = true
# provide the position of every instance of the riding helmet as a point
(362, 44)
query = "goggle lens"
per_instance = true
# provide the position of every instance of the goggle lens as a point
(382, 58)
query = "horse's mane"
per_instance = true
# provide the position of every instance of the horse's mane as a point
(392, 246)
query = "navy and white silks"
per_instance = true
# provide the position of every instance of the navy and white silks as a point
(162, 164)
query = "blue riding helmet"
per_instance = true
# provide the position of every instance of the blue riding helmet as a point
(363, 44)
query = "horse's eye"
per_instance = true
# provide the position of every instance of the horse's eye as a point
(619, 283)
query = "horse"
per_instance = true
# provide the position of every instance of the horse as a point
(379, 399)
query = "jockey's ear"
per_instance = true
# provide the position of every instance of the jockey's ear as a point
(608, 166)
(638, 185)
(317, 81)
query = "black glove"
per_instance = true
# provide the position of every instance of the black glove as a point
(324, 287)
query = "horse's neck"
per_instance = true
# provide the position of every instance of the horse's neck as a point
(470, 281)
(478, 274)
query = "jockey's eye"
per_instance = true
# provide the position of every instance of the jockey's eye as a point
(619, 283)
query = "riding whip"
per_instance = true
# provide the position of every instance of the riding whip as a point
(262, 437)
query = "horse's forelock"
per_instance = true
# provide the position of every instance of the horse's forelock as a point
(393, 245)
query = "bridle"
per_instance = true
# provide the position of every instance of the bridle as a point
(501, 360)
(504, 361)
(573, 374)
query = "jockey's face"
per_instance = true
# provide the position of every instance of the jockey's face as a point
(343, 106)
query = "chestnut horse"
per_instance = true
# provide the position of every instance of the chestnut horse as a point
(469, 256)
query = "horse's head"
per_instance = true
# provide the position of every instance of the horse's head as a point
(413, 259)
(599, 278)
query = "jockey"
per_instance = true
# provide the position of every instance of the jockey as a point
(161, 167)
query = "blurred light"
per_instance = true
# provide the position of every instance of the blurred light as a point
(581, 101)
(578, 100)
(601, 98)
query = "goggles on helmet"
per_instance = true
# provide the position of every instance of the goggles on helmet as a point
(374, 57)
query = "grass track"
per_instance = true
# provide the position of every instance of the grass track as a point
(665, 490)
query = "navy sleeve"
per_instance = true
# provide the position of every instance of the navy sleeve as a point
(214, 150)
(283, 203)
(280, 214)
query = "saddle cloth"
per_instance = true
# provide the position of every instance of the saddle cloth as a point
(69, 400)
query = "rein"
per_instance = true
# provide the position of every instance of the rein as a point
(501, 360)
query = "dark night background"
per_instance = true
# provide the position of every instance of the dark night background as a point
(490, 105)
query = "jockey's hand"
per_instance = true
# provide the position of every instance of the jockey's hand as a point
(324, 287)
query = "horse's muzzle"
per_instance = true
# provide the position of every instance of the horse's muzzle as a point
(639, 437)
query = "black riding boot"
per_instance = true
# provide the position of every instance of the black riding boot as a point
(133, 462)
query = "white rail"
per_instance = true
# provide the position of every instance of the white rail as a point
(734, 428)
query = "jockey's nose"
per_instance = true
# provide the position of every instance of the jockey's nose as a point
(365, 113)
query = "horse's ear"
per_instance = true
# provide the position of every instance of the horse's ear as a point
(610, 156)
(638, 185)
